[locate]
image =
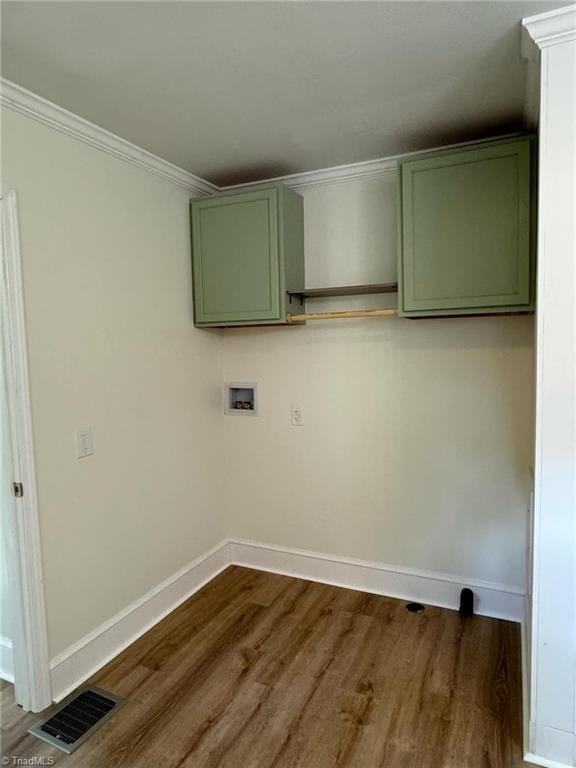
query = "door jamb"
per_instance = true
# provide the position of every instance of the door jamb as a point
(31, 660)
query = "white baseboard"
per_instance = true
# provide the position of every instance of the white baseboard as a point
(544, 762)
(6, 660)
(81, 660)
(443, 590)
(559, 747)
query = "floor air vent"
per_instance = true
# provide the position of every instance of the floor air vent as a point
(76, 721)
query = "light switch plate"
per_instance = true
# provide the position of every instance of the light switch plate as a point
(84, 444)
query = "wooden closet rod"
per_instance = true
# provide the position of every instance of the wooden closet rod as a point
(341, 315)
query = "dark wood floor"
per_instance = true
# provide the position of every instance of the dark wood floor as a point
(258, 670)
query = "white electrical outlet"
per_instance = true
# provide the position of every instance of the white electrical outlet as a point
(297, 416)
(84, 444)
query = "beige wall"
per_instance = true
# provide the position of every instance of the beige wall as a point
(112, 344)
(417, 438)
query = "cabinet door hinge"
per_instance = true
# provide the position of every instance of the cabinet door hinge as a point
(18, 490)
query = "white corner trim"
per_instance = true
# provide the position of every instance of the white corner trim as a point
(552, 27)
(18, 99)
(532, 87)
(440, 589)
(6, 660)
(525, 678)
(78, 662)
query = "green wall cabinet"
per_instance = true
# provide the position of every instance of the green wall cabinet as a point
(466, 244)
(248, 253)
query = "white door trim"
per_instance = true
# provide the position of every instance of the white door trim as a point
(32, 672)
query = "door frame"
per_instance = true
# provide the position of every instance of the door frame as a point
(33, 688)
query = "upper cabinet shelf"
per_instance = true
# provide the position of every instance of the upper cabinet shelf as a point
(465, 231)
(248, 255)
(349, 290)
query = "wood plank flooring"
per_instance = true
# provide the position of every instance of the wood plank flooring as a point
(264, 671)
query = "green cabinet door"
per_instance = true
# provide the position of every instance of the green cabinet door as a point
(242, 243)
(465, 235)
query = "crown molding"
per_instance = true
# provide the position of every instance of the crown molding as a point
(550, 28)
(18, 99)
(383, 166)
(324, 176)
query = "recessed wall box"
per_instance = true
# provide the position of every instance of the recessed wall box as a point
(241, 398)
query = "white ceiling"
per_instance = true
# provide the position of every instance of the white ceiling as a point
(248, 90)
